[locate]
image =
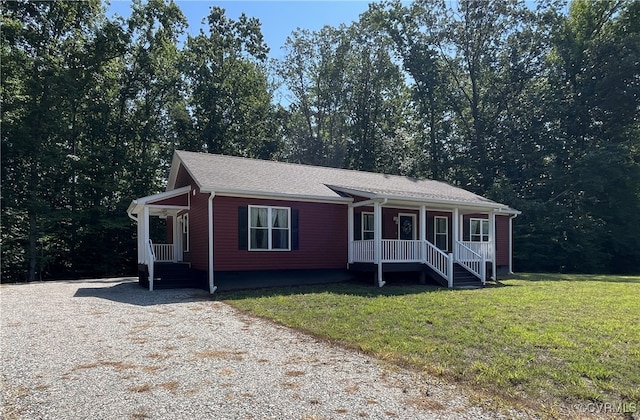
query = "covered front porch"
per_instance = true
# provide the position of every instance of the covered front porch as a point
(397, 235)
(160, 258)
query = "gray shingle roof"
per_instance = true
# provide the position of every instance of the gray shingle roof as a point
(230, 174)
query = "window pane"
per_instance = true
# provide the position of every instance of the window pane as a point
(367, 221)
(475, 227)
(280, 239)
(259, 238)
(279, 218)
(367, 235)
(441, 241)
(441, 225)
(259, 217)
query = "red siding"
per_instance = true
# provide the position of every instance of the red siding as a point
(322, 237)
(183, 179)
(180, 200)
(198, 253)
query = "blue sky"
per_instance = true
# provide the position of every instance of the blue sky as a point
(278, 18)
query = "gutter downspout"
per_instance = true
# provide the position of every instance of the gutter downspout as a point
(212, 287)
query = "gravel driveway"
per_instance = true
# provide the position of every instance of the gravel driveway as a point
(108, 349)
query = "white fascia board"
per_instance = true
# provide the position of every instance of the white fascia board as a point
(417, 201)
(176, 162)
(136, 205)
(164, 195)
(277, 196)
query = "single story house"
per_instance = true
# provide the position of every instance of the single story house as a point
(235, 222)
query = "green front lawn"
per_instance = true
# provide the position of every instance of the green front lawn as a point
(539, 339)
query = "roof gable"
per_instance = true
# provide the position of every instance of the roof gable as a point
(229, 174)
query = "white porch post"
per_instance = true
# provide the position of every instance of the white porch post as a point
(177, 238)
(377, 236)
(350, 233)
(142, 250)
(492, 241)
(456, 229)
(146, 244)
(423, 233)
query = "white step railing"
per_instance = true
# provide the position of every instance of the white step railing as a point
(471, 260)
(439, 261)
(483, 248)
(363, 251)
(400, 251)
(163, 252)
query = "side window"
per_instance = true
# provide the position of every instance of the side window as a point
(479, 230)
(367, 225)
(441, 232)
(269, 228)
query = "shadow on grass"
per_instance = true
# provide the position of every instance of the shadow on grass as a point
(351, 288)
(606, 278)
(131, 293)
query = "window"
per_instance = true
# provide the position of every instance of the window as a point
(367, 225)
(269, 228)
(479, 230)
(441, 232)
(183, 223)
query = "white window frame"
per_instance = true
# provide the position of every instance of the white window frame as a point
(269, 229)
(183, 223)
(445, 233)
(484, 224)
(362, 230)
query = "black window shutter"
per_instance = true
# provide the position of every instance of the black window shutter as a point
(295, 229)
(357, 226)
(243, 227)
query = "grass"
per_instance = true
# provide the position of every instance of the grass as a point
(538, 339)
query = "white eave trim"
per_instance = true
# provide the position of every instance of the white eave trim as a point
(483, 206)
(138, 204)
(277, 196)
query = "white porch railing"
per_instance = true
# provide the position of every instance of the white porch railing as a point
(163, 252)
(394, 251)
(400, 251)
(483, 248)
(471, 260)
(363, 251)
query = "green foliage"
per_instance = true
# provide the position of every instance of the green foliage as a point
(531, 107)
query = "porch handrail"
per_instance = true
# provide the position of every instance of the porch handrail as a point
(471, 260)
(438, 260)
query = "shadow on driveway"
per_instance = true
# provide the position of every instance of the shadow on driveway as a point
(131, 293)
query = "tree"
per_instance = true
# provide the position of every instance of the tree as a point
(229, 92)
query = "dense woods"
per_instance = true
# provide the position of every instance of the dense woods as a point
(536, 106)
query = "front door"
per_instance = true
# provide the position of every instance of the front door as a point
(406, 227)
